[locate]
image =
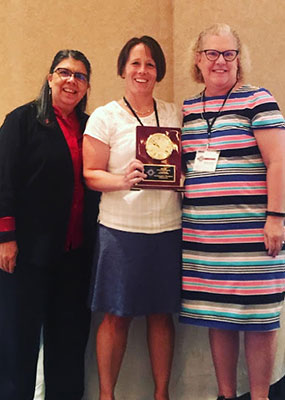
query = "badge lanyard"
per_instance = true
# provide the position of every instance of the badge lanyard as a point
(135, 114)
(206, 160)
(211, 123)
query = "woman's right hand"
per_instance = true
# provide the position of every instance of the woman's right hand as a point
(134, 174)
(96, 156)
(274, 235)
(8, 255)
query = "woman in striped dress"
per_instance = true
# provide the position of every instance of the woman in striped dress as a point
(233, 214)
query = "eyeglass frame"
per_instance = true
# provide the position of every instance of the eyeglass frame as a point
(75, 74)
(220, 53)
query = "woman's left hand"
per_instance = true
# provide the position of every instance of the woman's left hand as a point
(274, 235)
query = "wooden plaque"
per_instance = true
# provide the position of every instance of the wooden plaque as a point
(159, 149)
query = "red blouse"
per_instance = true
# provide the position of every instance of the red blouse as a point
(71, 130)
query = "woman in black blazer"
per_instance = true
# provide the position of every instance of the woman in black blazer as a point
(44, 269)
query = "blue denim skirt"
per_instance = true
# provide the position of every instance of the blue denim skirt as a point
(136, 273)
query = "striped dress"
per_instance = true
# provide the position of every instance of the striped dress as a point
(229, 281)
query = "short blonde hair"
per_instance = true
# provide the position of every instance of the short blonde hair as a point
(219, 29)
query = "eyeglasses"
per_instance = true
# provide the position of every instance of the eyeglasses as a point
(213, 55)
(65, 73)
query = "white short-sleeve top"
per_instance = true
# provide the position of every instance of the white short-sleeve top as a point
(146, 211)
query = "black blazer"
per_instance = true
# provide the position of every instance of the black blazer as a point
(36, 184)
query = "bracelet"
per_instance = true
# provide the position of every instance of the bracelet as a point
(274, 214)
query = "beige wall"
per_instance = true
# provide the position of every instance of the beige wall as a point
(32, 31)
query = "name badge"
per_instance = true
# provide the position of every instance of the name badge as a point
(206, 161)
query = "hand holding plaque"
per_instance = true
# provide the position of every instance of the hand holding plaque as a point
(159, 149)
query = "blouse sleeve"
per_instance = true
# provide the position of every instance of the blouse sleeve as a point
(177, 113)
(265, 111)
(97, 126)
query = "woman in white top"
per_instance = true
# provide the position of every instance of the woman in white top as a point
(137, 266)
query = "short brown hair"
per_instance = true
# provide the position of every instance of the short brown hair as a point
(156, 52)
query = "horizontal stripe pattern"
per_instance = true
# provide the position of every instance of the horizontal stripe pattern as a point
(228, 280)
